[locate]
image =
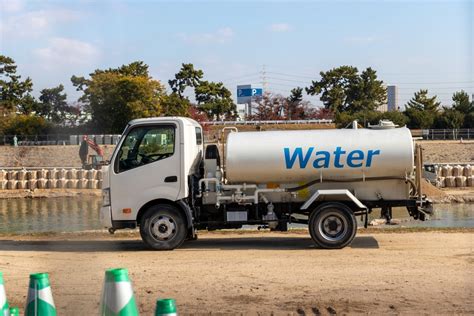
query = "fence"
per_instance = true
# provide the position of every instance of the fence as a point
(441, 134)
(56, 139)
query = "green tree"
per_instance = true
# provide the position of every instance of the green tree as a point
(186, 77)
(294, 107)
(344, 89)
(176, 103)
(215, 100)
(53, 105)
(334, 87)
(113, 97)
(366, 93)
(15, 93)
(462, 103)
(451, 118)
(422, 110)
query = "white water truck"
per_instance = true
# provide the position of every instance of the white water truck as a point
(163, 179)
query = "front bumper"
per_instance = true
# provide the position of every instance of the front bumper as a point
(106, 216)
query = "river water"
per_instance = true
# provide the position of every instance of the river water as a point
(82, 213)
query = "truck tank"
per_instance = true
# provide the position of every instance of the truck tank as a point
(303, 156)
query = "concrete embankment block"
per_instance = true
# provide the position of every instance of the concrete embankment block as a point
(470, 181)
(71, 184)
(52, 174)
(99, 175)
(21, 184)
(446, 171)
(21, 175)
(460, 181)
(72, 174)
(91, 174)
(12, 184)
(457, 171)
(11, 175)
(32, 184)
(3, 175)
(51, 184)
(31, 175)
(41, 183)
(80, 174)
(62, 174)
(450, 182)
(81, 184)
(92, 184)
(467, 172)
(3, 184)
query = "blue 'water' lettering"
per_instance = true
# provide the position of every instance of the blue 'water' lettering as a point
(322, 159)
(297, 154)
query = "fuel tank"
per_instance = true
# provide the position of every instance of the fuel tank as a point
(307, 155)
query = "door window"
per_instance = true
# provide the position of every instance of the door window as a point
(144, 145)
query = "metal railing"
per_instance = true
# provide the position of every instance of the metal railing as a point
(442, 134)
(281, 122)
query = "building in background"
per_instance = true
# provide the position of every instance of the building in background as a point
(392, 98)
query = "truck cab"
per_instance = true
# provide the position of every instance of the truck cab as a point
(150, 166)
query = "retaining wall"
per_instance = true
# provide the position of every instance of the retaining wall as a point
(45, 156)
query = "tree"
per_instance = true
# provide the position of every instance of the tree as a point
(344, 89)
(366, 93)
(462, 103)
(15, 93)
(53, 105)
(334, 87)
(422, 110)
(186, 77)
(293, 107)
(113, 97)
(215, 100)
(24, 125)
(269, 107)
(451, 118)
(464, 106)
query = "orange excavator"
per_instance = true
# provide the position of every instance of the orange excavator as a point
(91, 161)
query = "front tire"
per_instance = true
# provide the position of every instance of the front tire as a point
(332, 225)
(162, 227)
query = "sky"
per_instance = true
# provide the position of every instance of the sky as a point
(277, 45)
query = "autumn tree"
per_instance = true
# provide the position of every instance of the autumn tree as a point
(113, 97)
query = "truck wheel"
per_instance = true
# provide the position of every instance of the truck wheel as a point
(162, 227)
(332, 225)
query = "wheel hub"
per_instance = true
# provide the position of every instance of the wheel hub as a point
(333, 227)
(163, 227)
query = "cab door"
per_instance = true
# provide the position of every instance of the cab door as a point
(146, 167)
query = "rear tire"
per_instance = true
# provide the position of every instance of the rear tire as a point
(162, 227)
(332, 225)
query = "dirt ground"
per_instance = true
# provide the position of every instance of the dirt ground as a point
(448, 151)
(255, 273)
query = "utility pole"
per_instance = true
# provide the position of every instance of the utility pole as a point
(263, 74)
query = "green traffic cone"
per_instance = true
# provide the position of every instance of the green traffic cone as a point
(166, 307)
(14, 311)
(4, 310)
(117, 295)
(40, 299)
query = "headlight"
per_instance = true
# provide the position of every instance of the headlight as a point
(106, 197)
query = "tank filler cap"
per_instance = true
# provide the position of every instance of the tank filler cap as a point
(383, 124)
